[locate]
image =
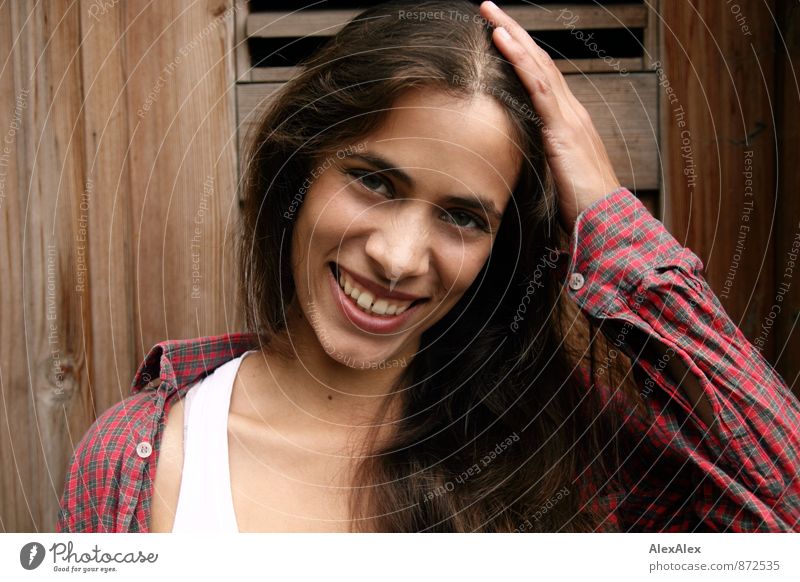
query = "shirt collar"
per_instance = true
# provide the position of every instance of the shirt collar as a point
(178, 363)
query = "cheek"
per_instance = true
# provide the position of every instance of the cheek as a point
(460, 264)
(329, 214)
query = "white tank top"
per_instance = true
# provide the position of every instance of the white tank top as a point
(205, 500)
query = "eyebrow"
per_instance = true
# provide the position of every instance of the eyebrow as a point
(476, 201)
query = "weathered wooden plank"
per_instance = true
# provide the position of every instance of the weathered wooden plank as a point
(16, 480)
(42, 90)
(107, 286)
(566, 66)
(242, 54)
(275, 24)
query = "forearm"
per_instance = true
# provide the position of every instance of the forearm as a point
(718, 405)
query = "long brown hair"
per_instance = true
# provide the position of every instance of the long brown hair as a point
(497, 433)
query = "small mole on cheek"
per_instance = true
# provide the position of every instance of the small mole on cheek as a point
(330, 397)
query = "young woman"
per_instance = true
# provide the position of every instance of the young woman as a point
(413, 239)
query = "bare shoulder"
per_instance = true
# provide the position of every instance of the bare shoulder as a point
(169, 469)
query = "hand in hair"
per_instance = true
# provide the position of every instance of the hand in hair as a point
(579, 163)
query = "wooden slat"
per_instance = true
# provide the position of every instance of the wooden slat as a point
(41, 348)
(566, 66)
(276, 24)
(251, 100)
(241, 50)
(651, 36)
(16, 481)
(623, 109)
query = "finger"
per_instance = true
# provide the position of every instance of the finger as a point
(531, 74)
(497, 16)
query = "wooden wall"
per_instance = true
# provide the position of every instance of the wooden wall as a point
(119, 177)
(118, 160)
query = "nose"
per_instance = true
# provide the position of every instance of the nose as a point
(400, 246)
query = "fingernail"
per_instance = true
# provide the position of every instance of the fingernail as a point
(492, 4)
(503, 33)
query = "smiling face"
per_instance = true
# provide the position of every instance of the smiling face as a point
(405, 220)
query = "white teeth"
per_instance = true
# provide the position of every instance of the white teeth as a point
(366, 300)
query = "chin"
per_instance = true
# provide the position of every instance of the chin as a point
(361, 361)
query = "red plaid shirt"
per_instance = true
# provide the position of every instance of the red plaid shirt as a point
(743, 475)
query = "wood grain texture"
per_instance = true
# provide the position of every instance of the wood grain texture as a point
(183, 146)
(566, 66)
(43, 358)
(716, 95)
(787, 227)
(623, 109)
(532, 18)
(117, 188)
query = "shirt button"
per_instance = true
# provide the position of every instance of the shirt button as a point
(143, 449)
(576, 281)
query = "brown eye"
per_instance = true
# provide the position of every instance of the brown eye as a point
(369, 180)
(465, 220)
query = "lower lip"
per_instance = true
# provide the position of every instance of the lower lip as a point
(365, 321)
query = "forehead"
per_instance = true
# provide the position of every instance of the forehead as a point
(464, 142)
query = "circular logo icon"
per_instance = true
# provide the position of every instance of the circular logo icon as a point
(31, 555)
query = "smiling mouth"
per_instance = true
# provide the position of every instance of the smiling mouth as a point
(367, 301)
